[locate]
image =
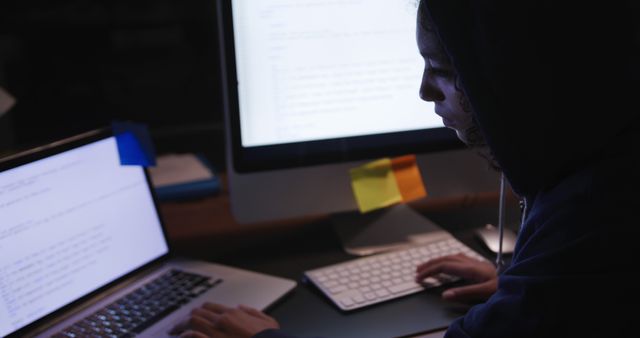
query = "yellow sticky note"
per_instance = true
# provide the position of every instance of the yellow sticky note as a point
(408, 178)
(375, 186)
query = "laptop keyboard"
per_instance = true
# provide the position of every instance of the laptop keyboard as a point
(142, 307)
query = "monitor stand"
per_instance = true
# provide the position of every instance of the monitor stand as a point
(382, 230)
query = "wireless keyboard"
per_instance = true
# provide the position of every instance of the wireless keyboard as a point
(369, 280)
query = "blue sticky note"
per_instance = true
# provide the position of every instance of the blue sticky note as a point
(134, 144)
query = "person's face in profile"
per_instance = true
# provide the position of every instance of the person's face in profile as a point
(439, 86)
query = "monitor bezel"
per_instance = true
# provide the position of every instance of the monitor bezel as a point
(51, 149)
(301, 154)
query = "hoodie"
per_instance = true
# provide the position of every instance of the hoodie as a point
(553, 87)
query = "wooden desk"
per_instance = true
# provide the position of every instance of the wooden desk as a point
(198, 225)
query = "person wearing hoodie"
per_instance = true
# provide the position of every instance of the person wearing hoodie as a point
(547, 92)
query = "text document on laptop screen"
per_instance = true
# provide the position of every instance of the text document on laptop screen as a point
(71, 223)
(312, 70)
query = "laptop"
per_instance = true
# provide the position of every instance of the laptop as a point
(83, 250)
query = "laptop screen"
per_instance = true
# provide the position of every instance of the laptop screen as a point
(70, 224)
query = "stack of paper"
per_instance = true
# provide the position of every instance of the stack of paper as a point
(183, 176)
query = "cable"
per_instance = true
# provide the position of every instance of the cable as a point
(501, 216)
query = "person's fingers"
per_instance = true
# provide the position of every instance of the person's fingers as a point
(253, 312)
(180, 327)
(220, 321)
(470, 293)
(460, 258)
(450, 268)
(461, 266)
(216, 308)
(206, 314)
(193, 334)
(192, 323)
(465, 258)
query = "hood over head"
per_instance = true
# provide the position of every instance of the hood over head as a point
(553, 86)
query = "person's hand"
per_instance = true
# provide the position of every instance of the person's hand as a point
(215, 320)
(482, 273)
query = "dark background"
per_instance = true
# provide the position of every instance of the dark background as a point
(77, 65)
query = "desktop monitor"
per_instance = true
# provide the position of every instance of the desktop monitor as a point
(314, 88)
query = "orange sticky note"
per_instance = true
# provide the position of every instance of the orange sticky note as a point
(408, 178)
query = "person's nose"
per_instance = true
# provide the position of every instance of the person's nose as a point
(429, 90)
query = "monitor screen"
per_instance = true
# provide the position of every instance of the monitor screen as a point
(71, 223)
(325, 81)
(302, 66)
(313, 88)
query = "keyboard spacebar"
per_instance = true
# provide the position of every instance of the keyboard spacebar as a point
(408, 286)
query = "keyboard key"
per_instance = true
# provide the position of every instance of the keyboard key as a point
(382, 293)
(338, 289)
(402, 287)
(347, 302)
